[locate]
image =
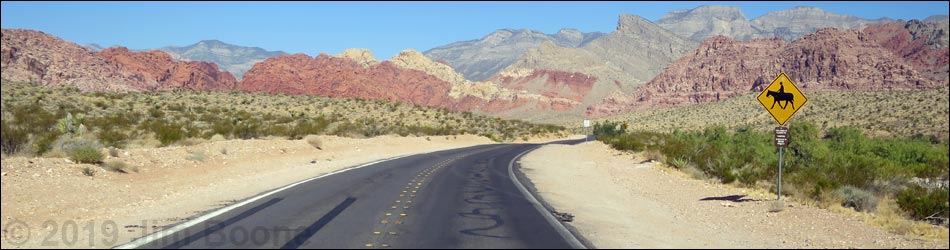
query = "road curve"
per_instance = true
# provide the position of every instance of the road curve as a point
(460, 198)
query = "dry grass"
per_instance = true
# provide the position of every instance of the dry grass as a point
(880, 113)
(654, 155)
(890, 217)
(115, 166)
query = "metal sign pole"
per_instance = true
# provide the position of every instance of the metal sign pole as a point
(780, 173)
(781, 141)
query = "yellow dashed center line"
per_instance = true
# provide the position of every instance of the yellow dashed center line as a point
(414, 185)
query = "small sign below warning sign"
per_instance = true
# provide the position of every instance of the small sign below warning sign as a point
(781, 136)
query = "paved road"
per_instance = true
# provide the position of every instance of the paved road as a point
(462, 198)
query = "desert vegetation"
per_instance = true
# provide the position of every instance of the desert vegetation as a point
(878, 113)
(841, 166)
(42, 121)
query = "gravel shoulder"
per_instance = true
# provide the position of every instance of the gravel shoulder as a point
(619, 201)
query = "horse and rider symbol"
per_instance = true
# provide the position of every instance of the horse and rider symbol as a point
(780, 95)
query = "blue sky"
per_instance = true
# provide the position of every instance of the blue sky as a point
(383, 27)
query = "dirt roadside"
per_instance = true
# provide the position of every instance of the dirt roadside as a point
(620, 202)
(49, 203)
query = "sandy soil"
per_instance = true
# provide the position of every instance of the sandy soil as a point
(620, 202)
(54, 201)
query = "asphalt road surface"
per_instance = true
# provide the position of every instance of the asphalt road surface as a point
(461, 198)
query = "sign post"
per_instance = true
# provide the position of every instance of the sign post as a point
(586, 126)
(781, 140)
(779, 100)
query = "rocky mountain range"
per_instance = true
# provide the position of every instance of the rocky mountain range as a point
(710, 20)
(408, 77)
(167, 74)
(34, 56)
(922, 44)
(629, 56)
(481, 59)
(878, 57)
(232, 58)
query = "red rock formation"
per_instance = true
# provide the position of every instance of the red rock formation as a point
(927, 56)
(722, 68)
(168, 74)
(341, 77)
(570, 85)
(34, 56)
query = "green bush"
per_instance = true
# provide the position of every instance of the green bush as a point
(920, 203)
(857, 198)
(86, 154)
(87, 171)
(167, 133)
(13, 139)
(112, 137)
(842, 162)
(679, 163)
(43, 142)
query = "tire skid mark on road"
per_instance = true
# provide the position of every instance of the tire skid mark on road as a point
(394, 217)
(484, 203)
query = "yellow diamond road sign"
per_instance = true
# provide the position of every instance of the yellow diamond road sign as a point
(782, 99)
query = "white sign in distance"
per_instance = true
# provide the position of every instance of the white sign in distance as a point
(586, 123)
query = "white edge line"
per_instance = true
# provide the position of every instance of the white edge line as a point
(570, 238)
(161, 234)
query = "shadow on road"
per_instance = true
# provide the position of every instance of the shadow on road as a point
(732, 198)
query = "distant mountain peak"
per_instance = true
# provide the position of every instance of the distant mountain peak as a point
(634, 24)
(214, 43)
(711, 20)
(232, 58)
(937, 18)
(482, 58)
(722, 12)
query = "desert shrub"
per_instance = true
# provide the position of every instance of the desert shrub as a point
(43, 142)
(606, 130)
(87, 171)
(247, 130)
(679, 163)
(14, 140)
(112, 137)
(223, 128)
(841, 165)
(313, 126)
(857, 198)
(167, 133)
(113, 152)
(920, 203)
(85, 154)
(654, 155)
